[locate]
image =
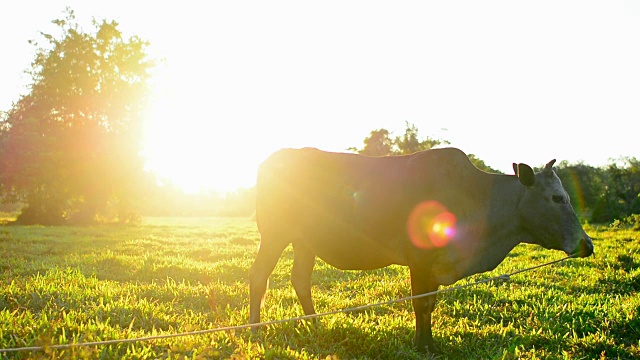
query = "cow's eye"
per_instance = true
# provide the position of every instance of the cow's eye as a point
(559, 199)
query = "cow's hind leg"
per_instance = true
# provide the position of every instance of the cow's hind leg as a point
(422, 283)
(303, 262)
(262, 267)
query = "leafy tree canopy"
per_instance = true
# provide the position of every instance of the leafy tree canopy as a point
(70, 146)
(380, 143)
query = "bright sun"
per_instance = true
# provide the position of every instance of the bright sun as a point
(197, 153)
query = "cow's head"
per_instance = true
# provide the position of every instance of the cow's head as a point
(546, 213)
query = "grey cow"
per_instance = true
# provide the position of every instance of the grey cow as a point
(432, 211)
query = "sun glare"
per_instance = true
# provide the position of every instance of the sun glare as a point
(197, 153)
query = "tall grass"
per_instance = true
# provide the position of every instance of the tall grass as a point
(64, 285)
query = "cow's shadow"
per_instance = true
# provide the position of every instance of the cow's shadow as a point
(331, 276)
(343, 336)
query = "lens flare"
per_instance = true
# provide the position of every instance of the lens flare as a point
(578, 195)
(431, 225)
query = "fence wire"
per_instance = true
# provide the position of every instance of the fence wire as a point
(502, 277)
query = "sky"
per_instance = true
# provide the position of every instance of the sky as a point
(509, 81)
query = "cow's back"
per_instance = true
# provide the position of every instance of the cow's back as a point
(333, 202)
(305, 186)
(352, 210)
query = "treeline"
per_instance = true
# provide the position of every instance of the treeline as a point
(170, 200)
(604, 194)
(70, 148)
(598, 194)
(380, 142)
(601, 195)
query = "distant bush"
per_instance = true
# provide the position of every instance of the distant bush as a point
(603, 194)
(630, 222)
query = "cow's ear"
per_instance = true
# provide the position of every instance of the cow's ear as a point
(526, 175)
(515, 169)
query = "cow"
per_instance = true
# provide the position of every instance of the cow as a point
(432, 211)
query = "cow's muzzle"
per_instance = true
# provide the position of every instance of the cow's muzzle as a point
(584, 248)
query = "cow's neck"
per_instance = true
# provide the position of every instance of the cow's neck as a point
(488, 235)
(501, 230)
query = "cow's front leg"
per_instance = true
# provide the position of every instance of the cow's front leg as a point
(421, 283)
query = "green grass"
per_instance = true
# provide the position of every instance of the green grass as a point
(63, 285)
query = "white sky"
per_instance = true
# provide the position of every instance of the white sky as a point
(511, 81)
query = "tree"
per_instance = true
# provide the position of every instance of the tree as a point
(70, 146)
(584, 184)
(480, 164)
(377, 144)
(621, 191)
(380, 143)
(410, 143)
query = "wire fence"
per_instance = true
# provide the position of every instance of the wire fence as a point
(502, 277)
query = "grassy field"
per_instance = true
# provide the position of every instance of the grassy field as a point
(76, 284)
